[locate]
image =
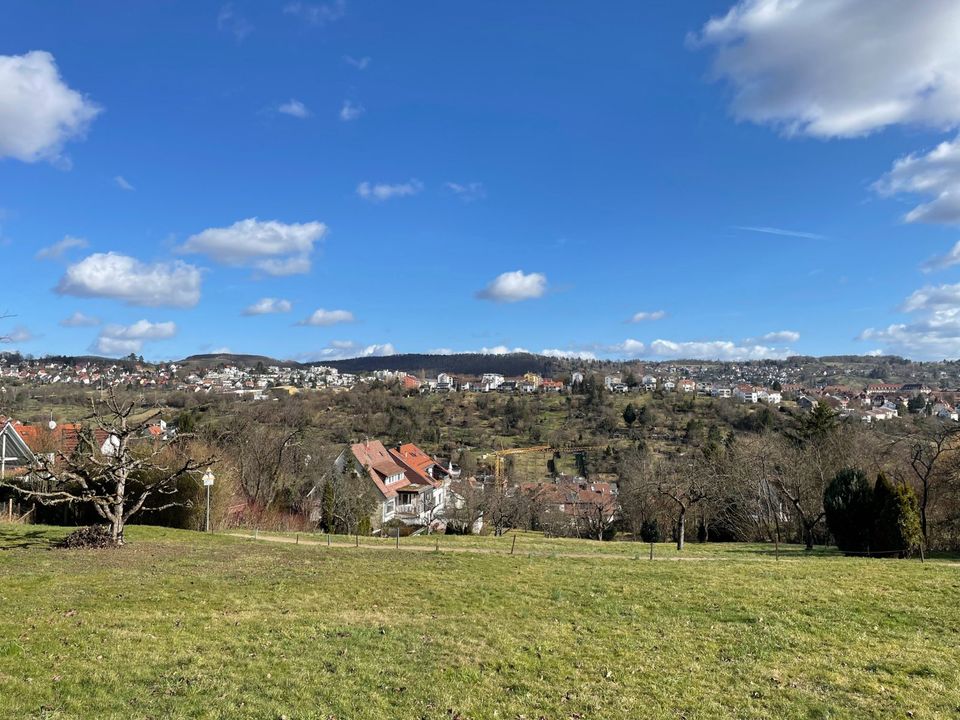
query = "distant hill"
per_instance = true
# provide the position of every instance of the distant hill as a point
(211, 360)
(511, 364)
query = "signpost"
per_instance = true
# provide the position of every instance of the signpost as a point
(208, 479)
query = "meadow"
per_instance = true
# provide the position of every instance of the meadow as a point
(185, 625)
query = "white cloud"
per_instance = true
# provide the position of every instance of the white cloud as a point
(268, 306)
(360, 63)
(515, 286)
(120, 277)
(39, 113)
(440, 351)
(501, 350)
(839, 68)
(351, 110)
(941, 262)
(19, 334)
(935, 333)
(935, 175)
(324, 318)
(273, 247)
(467, 192)
(696, 350)
(385, 191)
(317, 14)
(58, 249)
(342, 349)
(126, 339)
(569, 354)
(123, 184)
(767, 230)
(229, 21)
(645, 315)
(294, 108)
(781, 336)
(78, 319)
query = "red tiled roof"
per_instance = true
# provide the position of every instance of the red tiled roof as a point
(379, 464)
(63, 438)
(416, 461)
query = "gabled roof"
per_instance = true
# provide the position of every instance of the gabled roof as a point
(416, 461)
(379, 464)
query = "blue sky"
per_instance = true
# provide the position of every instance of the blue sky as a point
(745, 179)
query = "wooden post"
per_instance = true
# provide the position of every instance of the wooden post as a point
(398, 538)
(10, 509)
(298, 539)
(776, 547)
(651, 551)
(358, 540)
(328, 539)
(438, 543)
(513, 546)
(256, 533)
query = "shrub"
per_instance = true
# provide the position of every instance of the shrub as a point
(848, 505)
(896, 519)
(650, 531)
(95, 536)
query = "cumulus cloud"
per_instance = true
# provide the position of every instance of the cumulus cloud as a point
(324, 318)
(39, 113)
(467, 192)
(79, 319)
(697, 350)
(351, 110)
(501, 350)
(272, 247)
(569, 354)
(121, 277)
(125, 339)
(123, 184)
(781, 336)
(58, 249)
(935, 331)
(647, 315)
(268, 306)
(842, 68)
(379, 192)
(342, 349)
(360, 63)
(935, 175)
(515, 286)
(294, 108)
(941, 262)
(318, 14)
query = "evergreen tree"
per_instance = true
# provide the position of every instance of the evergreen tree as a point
(630, 415)
(896, 519)
(848, 504)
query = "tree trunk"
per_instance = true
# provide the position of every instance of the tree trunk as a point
(808, 536)
(681, 527)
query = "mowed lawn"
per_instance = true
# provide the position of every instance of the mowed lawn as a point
(183, 625)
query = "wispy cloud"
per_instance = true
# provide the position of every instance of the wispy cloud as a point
(324, 318)
(229, 21)
(294, 108)
(467, 191)
(318, 14)
(385, 191)
(648, 316)
(351, 110)
(123, 184)
(942, 262)
(780, 231)
(360, 63)
(59, 249)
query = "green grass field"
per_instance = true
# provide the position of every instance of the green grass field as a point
(182, 625)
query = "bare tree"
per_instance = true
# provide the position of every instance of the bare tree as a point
(686, 483)
(932, 444)
(113, 468)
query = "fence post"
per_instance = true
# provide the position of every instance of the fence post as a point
(438, 543)
(256, 533)
(651, 551)
(358, 540)
(328, 539)
(398, 538)
(513, 546)
(298, 539)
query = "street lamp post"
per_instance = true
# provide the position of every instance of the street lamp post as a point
(208, 483)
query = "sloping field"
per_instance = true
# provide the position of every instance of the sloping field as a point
(182, 625)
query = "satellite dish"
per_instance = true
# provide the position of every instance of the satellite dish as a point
(52, 425)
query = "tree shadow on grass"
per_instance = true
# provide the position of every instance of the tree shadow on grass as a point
(14, 537)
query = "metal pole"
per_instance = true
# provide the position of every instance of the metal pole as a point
(208, 508)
